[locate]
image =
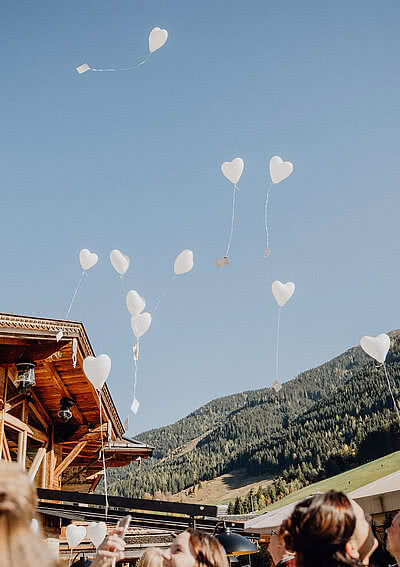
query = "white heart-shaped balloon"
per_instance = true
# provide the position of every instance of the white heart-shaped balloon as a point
(97, 531)
(183, 262)
(282, 291)
(377, 347)
(233, 169)
(140, 324)
(134, 302)
(75, 535)
(97, 369)
(120, 262)
(87, 259)
(157, 38)
(279, 169)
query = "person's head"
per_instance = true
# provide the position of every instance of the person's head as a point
(329, 529)
(276, 546)
(19, 544)
(152, 557)
(193, 548)
(393, 537)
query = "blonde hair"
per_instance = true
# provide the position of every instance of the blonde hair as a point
(19, 544)
(152, 557)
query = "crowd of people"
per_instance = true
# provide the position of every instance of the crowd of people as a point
(324, 530)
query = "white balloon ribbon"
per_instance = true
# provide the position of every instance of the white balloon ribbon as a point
(157, 39)
(282, 293)
(378, 348)
(102, 454)
(232, 170)
(183, 264)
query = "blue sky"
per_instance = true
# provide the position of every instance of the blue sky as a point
(132, 161)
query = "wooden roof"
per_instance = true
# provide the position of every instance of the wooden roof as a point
(34, 339)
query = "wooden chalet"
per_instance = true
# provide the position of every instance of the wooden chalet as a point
(59, 450)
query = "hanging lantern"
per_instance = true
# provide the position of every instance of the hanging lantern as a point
(65, 412)
(26, 375)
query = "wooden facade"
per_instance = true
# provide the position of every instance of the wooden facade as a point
(57, 455)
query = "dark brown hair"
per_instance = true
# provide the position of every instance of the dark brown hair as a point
(319, 528)
(207, 549)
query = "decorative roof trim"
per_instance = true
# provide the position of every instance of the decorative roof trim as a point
(71, 329)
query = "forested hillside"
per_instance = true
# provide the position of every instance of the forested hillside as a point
(319, 424)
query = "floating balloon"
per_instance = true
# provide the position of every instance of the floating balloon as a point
(87, 259)
(140, 324)
(232, 170)
(157, 39)
(282, 292)
(97, 369)
(120, 262)
(279, 170)
(97, 531)
(183, 262)
(75, 535)
(134, 302)
(377, 347)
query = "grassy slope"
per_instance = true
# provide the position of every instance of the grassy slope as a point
(347, 481)
(227, 487)
(222, 489)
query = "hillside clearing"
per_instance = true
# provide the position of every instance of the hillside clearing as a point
(347, 481)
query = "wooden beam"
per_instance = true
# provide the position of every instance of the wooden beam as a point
(82, 434)
(22, 438)
(16, 423)
(15, 401)
(38, 415)
(22, 442)
(69, 458)
(82, 470)
(64, 390)
(51, 461)
(6, 449)
(44, 471)
(37, 461)
(4, 410)
(40, 407)
(95, 482)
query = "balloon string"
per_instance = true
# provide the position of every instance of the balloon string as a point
(123, 285)
(266, 213)
(277, 344)
(163, 294)
(102, 451)
(122, 68)
(135, 375)
(391, 393)
(75, 293)
(233, 218)
(70, 558)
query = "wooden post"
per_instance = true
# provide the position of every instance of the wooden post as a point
(37, 461)
(23, 438)
(44, 470)
(4, 411)
(51, 462)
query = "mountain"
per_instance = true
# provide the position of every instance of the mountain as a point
(321, 422)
